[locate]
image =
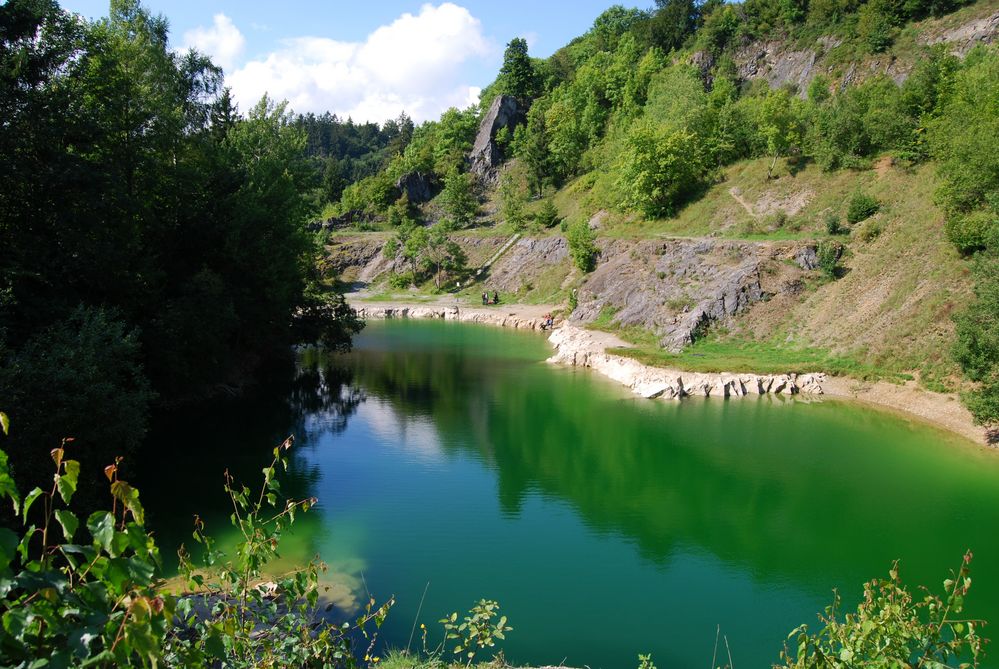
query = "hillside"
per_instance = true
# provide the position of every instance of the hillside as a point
(759, 197)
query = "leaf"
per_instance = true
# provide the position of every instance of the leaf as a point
(8, 547)
(129, 496)
(7, 486)
(68, 521)
(101, 526)
(29, 500)
(66, 483)
(4, 423)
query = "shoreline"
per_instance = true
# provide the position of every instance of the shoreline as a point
(577, 346)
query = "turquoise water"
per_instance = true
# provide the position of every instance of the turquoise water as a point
(605, 525)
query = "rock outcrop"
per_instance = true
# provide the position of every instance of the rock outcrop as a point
(416, 186)
(486, 155)
(577, 347)
(676, 288)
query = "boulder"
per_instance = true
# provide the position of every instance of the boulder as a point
(807, 258)
(504, 112)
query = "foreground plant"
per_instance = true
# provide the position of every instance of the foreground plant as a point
(237, 617)
(97, 603)
(893, 629)
(91, 603)
(476, 631)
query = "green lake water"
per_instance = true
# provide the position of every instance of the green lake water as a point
(605, 525)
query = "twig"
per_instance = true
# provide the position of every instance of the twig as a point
(714, 655)
(731, 665)
(418, 610)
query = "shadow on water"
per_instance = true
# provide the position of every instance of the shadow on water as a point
(747, 511)
(181, 467)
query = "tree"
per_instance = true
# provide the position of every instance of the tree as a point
(517, 74)
(673, 21)
(977, 345)
(442, 255)
(661, 167)
(513, 198)
(458, 199)
(582, 245)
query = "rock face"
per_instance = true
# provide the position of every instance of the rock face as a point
(676, 288)
(504, 112)
(582, 348)
(416, 186)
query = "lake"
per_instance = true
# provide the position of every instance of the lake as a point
(606, 525)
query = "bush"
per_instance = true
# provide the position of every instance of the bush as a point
(871, 230)
(829, 254)
(547, 215)
(891, 628)
(861, 207)
(833, 224)
(582, 246)
(973, 231)
(977, 345)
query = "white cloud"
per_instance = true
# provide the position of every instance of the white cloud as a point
(413, 64)
(222, 41)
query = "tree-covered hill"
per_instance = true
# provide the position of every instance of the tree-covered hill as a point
(644, 114)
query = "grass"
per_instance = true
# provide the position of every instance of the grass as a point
(741, 356)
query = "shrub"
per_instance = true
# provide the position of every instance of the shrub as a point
(547, 215)
(977, 345)
(582, 246)
(871, 230)
(833, 225)
(829, 254)
(891, 628)
(861, 207)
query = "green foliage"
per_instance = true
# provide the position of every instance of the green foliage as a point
(517, 76)
(891, 628)
(963, 137)
(645, 662)
(547, 214)
(84, 375)
(247, 624)
(833, 224)
(582, 245)
(829, 254)
(861, 207)
(75, 599)
(458, 200)
(138, 188)
(661, 168)
(878, 23)
(977, 345)
(513, 199)
(476, 631)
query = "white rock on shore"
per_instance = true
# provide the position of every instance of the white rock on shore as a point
(453, 313)
(583, 348)
(577, 347)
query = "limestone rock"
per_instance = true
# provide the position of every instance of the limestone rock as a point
(504, 112)
(416, 186)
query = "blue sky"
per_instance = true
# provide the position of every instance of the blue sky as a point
(369, 60)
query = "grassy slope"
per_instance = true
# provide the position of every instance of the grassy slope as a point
(887, 316)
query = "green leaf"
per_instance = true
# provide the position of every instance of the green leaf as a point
(7, 486)
(68, 521)
(8, 547)
(29, 500)
(101, 526)
(66, 482)
(4, 423)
